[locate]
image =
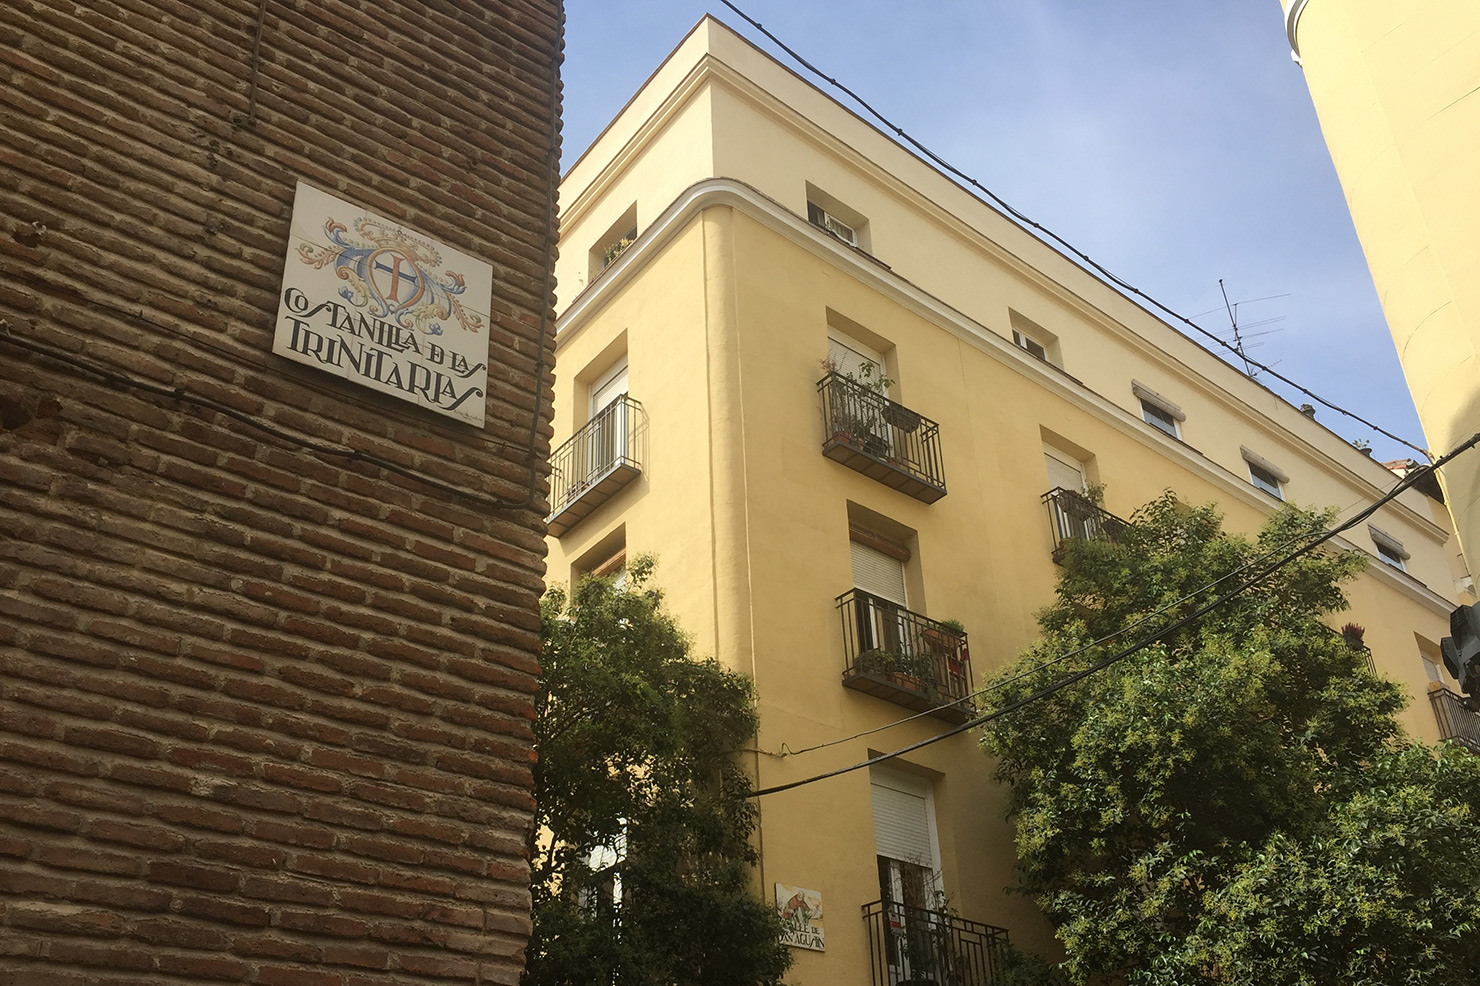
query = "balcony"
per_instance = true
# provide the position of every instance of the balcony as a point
(596, 463)
(905, 658)
(915, 946)
(1456, 722)
(1076, 517)
(885, 441)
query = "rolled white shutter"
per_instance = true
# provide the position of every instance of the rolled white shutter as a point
(901, 826)
(877, 573)
(609, 390)
(852, 358)
(1062, 474)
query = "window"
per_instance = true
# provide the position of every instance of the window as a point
(1032, 346)
(1159, 419)
(858, 362)
(818, 216)
(1034, 339)
(828, 213)
(604, 894)
(1433, 671)
(883, 582)
(1158, 412)
(908, 858)
(1433, 660)
(616, 247)
(1266, 481)
(607, 558)
(608, 440)
(1265, 475)
(1065, 472)
(878, 566)
(1389, 549)
(904, 838)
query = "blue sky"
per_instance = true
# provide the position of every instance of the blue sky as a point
(1173, 142)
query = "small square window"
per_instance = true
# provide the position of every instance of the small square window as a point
(1031, 346)
(819, 216)
(1160, 419)
(1432, 670)
(1266, 481)
(1389, 549)
(838, 218)
(1391, 557)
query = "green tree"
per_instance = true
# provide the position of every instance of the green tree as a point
(1235, 804)
(641, 860)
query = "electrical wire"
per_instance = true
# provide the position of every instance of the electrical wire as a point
(1044, 231)
(1139, 645)
(1045, 665)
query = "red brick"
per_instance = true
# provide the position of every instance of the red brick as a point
(195, 877)
(207, 631)
(64, 919)
(201, 966)
(285, 976)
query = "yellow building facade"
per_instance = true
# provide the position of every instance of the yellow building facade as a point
(737, 250)
(1397, 90)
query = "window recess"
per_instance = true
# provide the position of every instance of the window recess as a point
(844, 223)
(1032, 346)
(1034, 339)
(613, 243)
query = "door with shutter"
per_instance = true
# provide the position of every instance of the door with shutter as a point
(858, 408)
(1074, 514)
(909, 869)
(854, 360)
(607, 436)
(1064, 471)
(881, 600)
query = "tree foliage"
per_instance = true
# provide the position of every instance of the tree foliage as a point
(1235, 804)
(637, 746)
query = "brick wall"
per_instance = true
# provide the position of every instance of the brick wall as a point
(264, 713)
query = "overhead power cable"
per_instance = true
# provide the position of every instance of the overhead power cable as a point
(1044, 231)
(1139, 645)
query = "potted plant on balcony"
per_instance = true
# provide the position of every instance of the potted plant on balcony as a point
(901, 417)
(611, 253)
(857, 418)
(929, 948)
(944, 636)
(915, 672)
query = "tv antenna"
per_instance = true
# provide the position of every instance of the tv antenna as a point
(1241, 333)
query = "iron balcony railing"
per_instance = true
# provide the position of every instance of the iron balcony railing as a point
(905, 658)
(596, 462)
(1456, 721)
(888, 442)
(1351, 634)
(1076, 517)
(915, 946)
